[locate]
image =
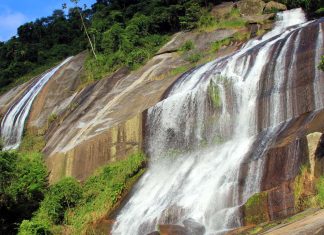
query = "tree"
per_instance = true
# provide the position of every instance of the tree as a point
(191, 17)
(83, 24)
(23, 182)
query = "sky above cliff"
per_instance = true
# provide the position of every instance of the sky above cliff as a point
(14, 13)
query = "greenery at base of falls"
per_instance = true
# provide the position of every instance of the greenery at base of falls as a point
(307, 195)
(27, 200)
(72, 206)
(23, 184)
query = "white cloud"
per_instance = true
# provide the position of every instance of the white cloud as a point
(9, 22)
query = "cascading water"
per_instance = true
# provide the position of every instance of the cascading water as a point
(12, 125)
(199, 138)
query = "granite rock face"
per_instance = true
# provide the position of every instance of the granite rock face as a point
(250, 7)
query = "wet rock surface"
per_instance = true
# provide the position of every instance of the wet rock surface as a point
(169, 229)
(58, 93)
(193, 227)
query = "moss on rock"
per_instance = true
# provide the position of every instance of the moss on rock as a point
(214, 95)
(256, 209)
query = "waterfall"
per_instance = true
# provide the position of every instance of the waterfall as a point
(12, 125)
(200, 138)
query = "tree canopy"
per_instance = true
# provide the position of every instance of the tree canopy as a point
(114, 27)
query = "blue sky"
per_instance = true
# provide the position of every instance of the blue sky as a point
(14, 13)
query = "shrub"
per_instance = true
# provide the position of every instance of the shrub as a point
(52, 118)
(67, 203)
(320, 192)
(32, 142)
(301, 201)
(187, 46)
(103, 190)
(194, 58)
(206, 21)
(320, 11)
(23, 182)
(137, 57)
(62, 196)
(34, 228)
(321, 65)
(190, 19)
(112, 39)
(215, 46)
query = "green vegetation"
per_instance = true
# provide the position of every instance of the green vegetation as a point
(214, 95)
(308, 5)
(32, 142)
(301, 201)
(219, 44)
(23, 182)
(67, 203)
(320, 192)
(187, 46)
(231, 21)
(52, 118)
(320, 11)
(194, 57)
(119, 33)
(123, 33)
(321, 65)
(179, 70)
(255, 211)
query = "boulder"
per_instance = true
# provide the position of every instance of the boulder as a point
(254, 28)
(258, 19)
(193, 228)
(171, 215)
(154, 233)
(222, 10)
(171, 229)
(251, 7)
(274, 7)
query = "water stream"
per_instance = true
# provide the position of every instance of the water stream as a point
(199, 138)
(12, 125)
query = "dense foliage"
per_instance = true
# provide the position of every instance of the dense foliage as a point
(23, 182)
(124, 33)
(308, 5)
(67, 203)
